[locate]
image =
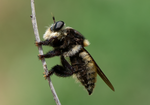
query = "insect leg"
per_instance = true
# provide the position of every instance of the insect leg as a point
(66, 64)
(63, 71)
(53, 53)
(46, 42)
(60, 71)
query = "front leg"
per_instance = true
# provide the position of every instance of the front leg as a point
(46, 42)
(53, 53)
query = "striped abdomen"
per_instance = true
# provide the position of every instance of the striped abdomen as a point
(86, 69)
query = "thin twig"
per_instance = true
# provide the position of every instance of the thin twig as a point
(35, 28)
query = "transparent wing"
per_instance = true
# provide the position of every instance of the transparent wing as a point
(101, 74)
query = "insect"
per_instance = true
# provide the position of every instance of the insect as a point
(67, 42)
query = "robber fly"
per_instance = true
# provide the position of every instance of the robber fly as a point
(67, 42)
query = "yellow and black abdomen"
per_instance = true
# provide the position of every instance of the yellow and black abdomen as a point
(85, 69)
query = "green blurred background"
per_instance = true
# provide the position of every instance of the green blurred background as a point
(119, 33)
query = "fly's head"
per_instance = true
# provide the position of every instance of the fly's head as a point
(56, 27)
(55, 30)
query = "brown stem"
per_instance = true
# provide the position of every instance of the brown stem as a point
(36, 33)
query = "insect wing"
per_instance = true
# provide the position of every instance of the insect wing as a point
(101, 74)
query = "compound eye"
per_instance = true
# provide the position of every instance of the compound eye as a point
(57, 26)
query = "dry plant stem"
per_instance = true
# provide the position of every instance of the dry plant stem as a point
(35, 28)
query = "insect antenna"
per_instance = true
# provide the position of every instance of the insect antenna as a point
(53, 17)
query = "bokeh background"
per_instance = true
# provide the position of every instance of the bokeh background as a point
(119, 33)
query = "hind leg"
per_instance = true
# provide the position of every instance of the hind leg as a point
(66, 65)
(60, 71)
(63, 71)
